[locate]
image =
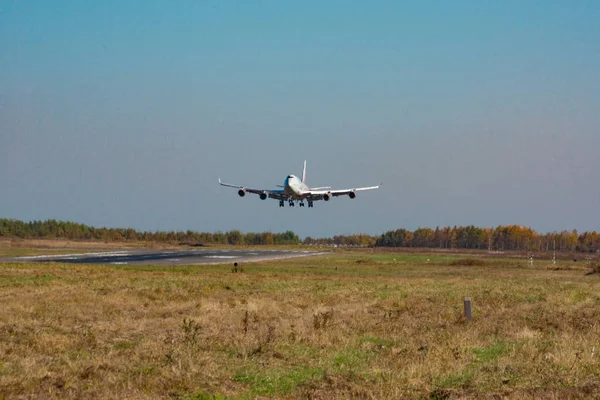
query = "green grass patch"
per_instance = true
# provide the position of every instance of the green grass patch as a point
(25, 280)
(578, 296)
(378, 341)
(489, 354)
(458, 380)
(415, 258)
(25, 252)
(463, 379)
(353, 360)
(278, 381)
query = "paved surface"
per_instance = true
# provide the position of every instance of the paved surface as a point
(165, 257)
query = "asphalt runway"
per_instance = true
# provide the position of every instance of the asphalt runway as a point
(166, 257)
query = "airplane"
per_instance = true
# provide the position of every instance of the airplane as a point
(294, 189)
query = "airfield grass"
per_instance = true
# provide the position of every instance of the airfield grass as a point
(16, 247)
(345, 325)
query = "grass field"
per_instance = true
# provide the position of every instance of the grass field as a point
(348, 325)
(13, 247)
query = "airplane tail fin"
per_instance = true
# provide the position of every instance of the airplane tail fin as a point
(304, 173)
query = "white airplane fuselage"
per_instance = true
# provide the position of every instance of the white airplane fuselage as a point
(294, 187)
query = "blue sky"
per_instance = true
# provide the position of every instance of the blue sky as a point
(125, 113)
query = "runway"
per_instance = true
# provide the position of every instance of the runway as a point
(166, 257)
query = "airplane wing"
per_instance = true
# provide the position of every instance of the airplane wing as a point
(263, 193)
(326, 194)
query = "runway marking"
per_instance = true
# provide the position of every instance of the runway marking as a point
(221, 257)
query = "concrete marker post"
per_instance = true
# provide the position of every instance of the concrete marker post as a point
(468, 311)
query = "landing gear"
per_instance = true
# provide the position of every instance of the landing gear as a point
(292, 204)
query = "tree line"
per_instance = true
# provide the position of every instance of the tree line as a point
(501, 238)
(509, 237)
(74, 231)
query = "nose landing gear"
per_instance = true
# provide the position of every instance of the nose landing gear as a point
(310, 204)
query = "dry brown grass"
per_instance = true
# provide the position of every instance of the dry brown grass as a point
(78, 244)
(594, 268)
(312, 328)
(468, 262)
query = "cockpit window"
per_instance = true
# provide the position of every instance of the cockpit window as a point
(290, 176)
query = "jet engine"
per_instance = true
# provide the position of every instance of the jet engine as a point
(242, 192)
(263, 196)
(327, 196)
(352, 194)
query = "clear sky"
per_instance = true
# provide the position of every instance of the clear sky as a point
(125, 113)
